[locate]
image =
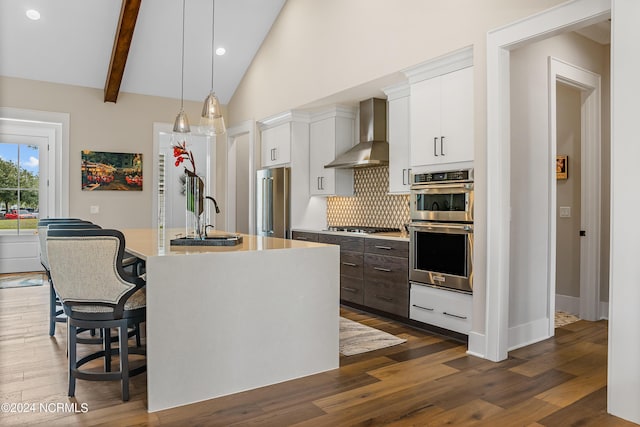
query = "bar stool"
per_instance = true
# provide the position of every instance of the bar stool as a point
(97, 293)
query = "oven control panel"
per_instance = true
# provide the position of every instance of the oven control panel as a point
(446, 176)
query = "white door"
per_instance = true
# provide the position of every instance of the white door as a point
(25, 183)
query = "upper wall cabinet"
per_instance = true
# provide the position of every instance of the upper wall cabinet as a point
(331, 132)
(276, 137)
(276, 145)
(398, 105)
(441, 110)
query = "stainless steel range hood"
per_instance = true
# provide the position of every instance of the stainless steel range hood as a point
(373, 148)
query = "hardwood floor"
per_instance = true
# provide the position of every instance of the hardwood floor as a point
(427, 381)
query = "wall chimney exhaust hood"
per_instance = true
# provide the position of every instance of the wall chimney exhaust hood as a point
(373, 148)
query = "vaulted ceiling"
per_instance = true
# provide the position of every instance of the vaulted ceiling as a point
(73, 41)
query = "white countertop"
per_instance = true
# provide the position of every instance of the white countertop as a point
(144, 242)
(395, 235)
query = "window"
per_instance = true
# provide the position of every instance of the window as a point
(20, 185)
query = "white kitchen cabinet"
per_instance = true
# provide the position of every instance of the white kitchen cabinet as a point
(439, 307)
(441, 112)
(276, 145)
(398, 105)
(330, 133)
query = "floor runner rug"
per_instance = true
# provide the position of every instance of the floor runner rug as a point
(356, 338)
(563, 318)
(21, 280)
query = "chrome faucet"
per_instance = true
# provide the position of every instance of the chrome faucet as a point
(215, 204)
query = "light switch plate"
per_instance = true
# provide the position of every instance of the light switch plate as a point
(565, 211)
(94, 209)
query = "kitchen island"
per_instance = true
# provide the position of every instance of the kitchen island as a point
(224, 319)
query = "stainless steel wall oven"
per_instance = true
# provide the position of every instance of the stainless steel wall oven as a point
(441, 230)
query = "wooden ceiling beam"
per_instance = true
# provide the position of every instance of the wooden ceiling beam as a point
(120, 52)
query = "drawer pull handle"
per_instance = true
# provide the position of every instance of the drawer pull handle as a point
(423, 308)
(454, 315)
(350, 289)
(384, 298)
(386, 248)
(302, 238)
(386, 270)
(350, 264)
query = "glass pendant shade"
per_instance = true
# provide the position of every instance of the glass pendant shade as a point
(181, 125)
(211, 118)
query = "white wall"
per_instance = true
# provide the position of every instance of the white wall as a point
(623, 385)
(529, 267)
(126, 126)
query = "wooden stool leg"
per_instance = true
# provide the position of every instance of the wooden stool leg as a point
(107, 349)
(124, 359)
(71, 349)
(52, 310)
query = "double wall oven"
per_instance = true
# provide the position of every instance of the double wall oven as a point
(441, 230)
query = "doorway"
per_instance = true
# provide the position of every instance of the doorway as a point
(584, 237)
(31, 183)
(241, 172)
(168, 206)
(568, 196)
(561, 19)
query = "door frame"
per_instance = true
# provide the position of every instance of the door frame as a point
(562, 18)
(209, 177)
(233, 133)
(589, 85)
(54, 127)
(58, 124)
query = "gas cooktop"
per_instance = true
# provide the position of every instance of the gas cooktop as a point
(362, 230)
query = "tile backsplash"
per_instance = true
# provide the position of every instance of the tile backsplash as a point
(370, 206)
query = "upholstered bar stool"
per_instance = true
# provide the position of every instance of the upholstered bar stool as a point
(55, 307)
(96, 292)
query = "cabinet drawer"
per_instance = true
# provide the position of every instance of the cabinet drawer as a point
(389, 297)
(387, 247)
(352, 289)
(347, 243)
(446, 309)
(351, 264)
(386, 269)
(304, 235)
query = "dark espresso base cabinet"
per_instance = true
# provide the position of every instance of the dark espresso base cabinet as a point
(386, 283)
(373, 272)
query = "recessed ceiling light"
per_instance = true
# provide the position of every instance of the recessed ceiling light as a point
(221, 51)
(33, 14)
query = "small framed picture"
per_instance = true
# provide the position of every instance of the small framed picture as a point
(562, 167)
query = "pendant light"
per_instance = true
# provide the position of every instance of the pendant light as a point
(181, 125)
(211, 118)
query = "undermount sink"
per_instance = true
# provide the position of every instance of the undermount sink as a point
(218, 239)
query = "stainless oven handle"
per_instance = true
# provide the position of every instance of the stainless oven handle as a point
(439, 226)
(434, 186)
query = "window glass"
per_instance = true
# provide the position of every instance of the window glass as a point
(19, 187)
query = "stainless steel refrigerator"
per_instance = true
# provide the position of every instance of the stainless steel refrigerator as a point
(273, 202)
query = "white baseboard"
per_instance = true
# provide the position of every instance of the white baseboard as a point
(477, 345)
(528, 333)
(568, 304)
(571, 305)
(604, 310)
